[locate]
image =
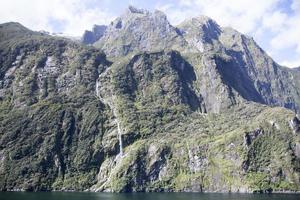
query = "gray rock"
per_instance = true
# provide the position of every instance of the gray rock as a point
(250, 136)
(139, 30)
(295, 125)
(89, 37)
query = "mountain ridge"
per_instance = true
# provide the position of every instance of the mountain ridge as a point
(187, 108)
(202, 34)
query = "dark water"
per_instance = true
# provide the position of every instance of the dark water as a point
(141, 196)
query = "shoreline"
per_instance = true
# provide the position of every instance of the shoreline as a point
(162, 192)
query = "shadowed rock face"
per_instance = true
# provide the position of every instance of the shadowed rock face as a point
(243, 65)
(190, 108)
(90, 37)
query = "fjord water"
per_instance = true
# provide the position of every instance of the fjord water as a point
(141, 196)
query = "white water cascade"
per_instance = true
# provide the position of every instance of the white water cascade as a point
(119, 127)
(97, 88)
(120, 137)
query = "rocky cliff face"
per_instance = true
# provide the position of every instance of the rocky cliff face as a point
(90, 37)
(187, 108)
(139, 30)
(242, 65)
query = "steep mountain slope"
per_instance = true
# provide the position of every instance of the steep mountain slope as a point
(173, 109)
(177, 148)
(243, 64)
(49, 111)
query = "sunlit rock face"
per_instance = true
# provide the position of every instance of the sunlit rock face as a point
(140, 30)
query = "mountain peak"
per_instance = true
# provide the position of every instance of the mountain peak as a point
(14, 30)
(139, 30)
(134, 10)
(137, 12)
(205, 19)
(201, 21)
(13, 26)
(200, 31)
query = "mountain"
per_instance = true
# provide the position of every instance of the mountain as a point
(242, 65)
(140, 30)
(89, 37)
(49, 110)
(146, 107)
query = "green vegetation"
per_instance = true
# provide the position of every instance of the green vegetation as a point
(184, 126)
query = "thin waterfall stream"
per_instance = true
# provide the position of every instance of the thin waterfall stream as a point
(114, 110)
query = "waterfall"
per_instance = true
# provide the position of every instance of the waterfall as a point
(120, 138)
(110, 104)
(97, 90)
(119, 129)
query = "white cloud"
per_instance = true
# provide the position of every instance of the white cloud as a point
(291, 63)
(275, 21)
(243, 15)
(295, 5)
(286, 38)
(74, 15)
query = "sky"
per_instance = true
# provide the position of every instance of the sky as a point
(274, 24)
